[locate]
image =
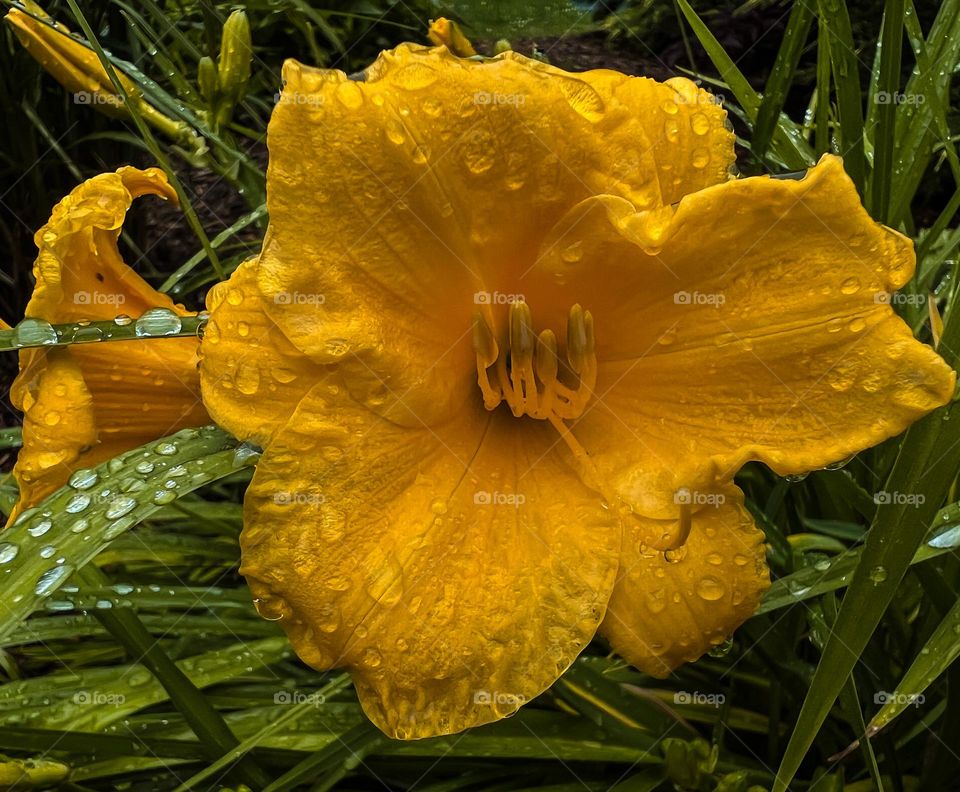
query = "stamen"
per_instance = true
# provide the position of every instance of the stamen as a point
(527, 370)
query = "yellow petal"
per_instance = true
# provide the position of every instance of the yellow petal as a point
(430, 185)
(455, 571)
(752, 323)
(252, 377)
(448, 33)
(119, 395)
(668, 609)
(57, 425)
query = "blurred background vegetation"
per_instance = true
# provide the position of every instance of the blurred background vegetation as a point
(798, 79)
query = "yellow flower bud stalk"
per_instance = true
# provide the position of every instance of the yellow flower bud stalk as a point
(448, 33)
(31, 773)
(233, 70)
(78, 69)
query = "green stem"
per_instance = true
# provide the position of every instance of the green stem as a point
(37, 333)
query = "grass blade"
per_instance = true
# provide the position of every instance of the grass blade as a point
(846, 78)
(888, 87)
(930, 452)
(781, 76)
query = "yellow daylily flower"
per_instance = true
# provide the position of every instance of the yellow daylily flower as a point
(85, 404)
(511, 334)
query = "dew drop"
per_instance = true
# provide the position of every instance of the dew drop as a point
(83, 479)
(77, 503)
(158, 322)
(8, 551)
(48, 582)
(710, 589)
(40, 527)
(119, 507)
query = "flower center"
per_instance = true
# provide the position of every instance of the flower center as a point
(526, 372)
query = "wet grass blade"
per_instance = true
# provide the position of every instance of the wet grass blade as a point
(846, 79)
(80, 519)
(214, 734)
(930, 452)
(787, 142)
(888, 87)
(332, 764)
(781, 76)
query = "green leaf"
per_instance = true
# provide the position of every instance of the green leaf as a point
(846, 78)
(930, 452)
(781, 75)
(47, 543)
(888, 86)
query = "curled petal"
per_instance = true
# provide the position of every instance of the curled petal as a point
(116, 396)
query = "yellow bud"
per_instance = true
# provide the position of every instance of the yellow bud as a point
(448, 33)
(76, 67)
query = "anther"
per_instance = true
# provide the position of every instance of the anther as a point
(527, 369)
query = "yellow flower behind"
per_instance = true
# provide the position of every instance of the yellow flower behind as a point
(511, 335)
(85, 404)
